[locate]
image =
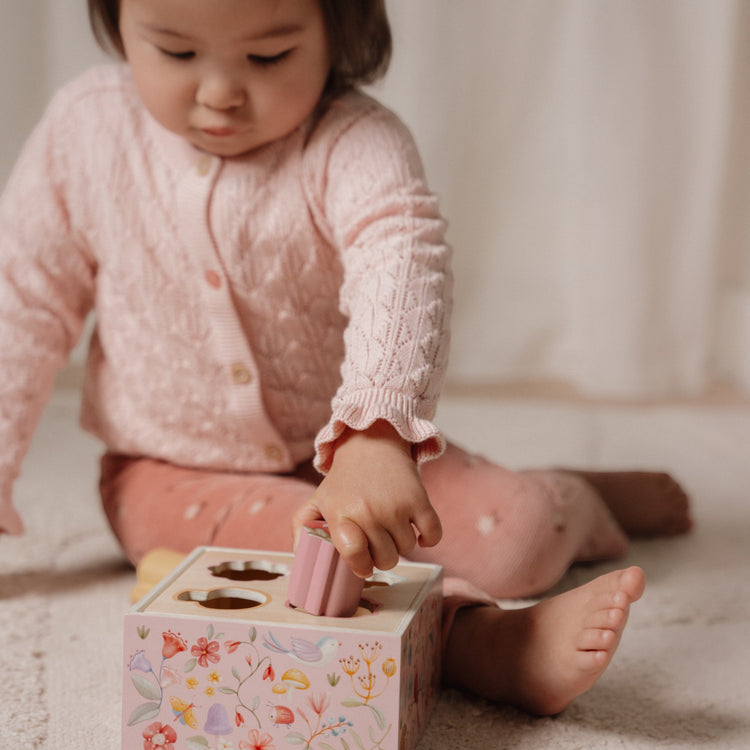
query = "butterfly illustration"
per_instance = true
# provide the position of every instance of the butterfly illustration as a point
(184, 712)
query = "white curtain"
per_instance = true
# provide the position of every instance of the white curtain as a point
(593, 160)
(593, 157)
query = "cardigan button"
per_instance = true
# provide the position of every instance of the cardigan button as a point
(240, 374)
(203, 166)
(273, 452)
(213, 279)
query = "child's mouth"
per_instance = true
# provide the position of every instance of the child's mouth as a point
(219, 132)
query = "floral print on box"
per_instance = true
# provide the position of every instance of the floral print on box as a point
(217, 690)
(271, 679)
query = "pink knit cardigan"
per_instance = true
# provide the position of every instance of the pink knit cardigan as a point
(247, 310)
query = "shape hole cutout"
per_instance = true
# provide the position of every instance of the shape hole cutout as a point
(225, 598)
(364, 607)
(383, 578)
(249, 570)
(368, 605)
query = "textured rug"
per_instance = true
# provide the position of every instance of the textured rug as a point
(681, 678)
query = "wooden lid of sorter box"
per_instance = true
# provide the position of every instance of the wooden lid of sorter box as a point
(251, 585)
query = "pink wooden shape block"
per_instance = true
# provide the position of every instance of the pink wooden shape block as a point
(321, 583)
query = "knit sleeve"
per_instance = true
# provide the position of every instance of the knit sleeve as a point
(396, 291)
(46, 285)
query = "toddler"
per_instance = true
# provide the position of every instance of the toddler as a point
(272, 296)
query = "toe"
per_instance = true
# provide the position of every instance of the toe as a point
(610, 618)
(633, 582)
(593, 661)
(598, 639)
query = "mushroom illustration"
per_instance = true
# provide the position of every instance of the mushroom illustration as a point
(290, 680)
(217, 722)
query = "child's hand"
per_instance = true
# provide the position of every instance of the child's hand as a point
(373, 501)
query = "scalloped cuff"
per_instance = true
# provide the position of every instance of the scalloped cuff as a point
(363, 408)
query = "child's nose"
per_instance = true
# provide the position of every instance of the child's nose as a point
(220, 90)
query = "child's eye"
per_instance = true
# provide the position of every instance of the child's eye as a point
(269, 60)
(178, 55)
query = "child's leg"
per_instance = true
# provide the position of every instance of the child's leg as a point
(645, 503)
(538, 658)
(514, 534)
(153, 504)
(543, 657)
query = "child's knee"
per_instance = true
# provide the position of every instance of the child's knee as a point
(505, 531)
(531, 548)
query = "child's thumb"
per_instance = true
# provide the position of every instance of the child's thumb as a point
(306, 514)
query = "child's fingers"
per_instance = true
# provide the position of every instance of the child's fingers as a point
(304, 516)
(384, 548)
(429, 528)
(353, 546)
(403, 538)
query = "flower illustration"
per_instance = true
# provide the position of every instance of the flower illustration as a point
(319, 702)
(239, 719)
(140, 662)
(258, 741)
(159, 737)
(169, 677)
(206, 651)
(214, 676)
(366, 683)
(173, 644)
(269, 674)
(349, 664)
(389, 667)
(370, 653)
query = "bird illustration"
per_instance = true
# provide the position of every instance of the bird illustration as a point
(306, 652)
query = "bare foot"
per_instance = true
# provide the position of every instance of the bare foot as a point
(542, 657)
(644, 503)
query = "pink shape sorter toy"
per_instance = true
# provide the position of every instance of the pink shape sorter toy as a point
(216, 657)
(321, 583)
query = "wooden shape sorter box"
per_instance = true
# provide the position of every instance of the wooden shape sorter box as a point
(216, 658)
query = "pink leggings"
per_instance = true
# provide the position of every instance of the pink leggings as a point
(505, 534)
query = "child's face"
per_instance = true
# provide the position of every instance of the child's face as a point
(228, 75)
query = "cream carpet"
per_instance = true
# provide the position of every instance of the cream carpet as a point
(681, 678)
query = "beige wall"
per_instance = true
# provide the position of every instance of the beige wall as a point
(43, 43)
(592, 159)
(23, 57)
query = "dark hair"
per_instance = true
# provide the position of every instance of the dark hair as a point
(104, 16)
(359, 36)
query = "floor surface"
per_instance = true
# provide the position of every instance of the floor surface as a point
(681, 678)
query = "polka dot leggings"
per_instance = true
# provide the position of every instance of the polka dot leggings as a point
(508, 534)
